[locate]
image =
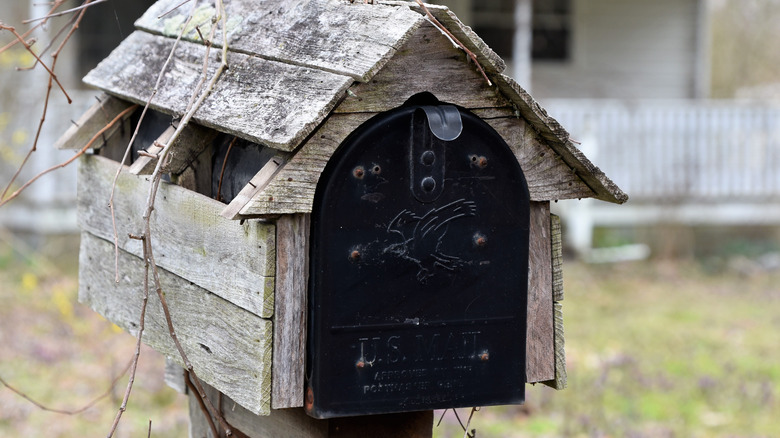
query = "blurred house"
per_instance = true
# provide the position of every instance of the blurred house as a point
(630, 80)
(48, 205)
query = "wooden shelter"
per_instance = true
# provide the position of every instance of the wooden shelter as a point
(302, 76)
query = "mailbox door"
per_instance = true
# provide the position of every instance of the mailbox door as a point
(418, 268)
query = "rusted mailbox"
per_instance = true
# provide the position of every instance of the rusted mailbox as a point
(419, 268)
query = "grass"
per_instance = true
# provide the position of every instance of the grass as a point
(63, 355)
(657, 350)
(653, 350)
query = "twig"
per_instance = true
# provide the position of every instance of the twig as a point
(58, 14)
(156, 178)
(29, 49)
(449, 34)
(468, 423)
(202, 405)
(55, 55)
(71, 159)
(174, 8)
(149, 433)
(132, 139)
(65, 411)
(137, 354)
(224, 164)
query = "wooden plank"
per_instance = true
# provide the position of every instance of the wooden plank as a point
(174, 376)
(279, 423)
(292, 273)
(92, 121)
(557, 257)
(407, 425)
(427, 62)
(558, 139)
(229, 347)
(487, 58)
(235, 261)
(548, 176)
(257, 184)
(262, 101)
(353, 39)
(561, 378)
(540, 352)
(292, 189)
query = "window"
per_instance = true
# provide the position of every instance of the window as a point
(551, 39)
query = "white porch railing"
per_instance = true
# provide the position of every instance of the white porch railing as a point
(683, 161)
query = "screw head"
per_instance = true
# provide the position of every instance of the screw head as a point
(428, 184)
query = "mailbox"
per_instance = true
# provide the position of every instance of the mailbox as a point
(418, 267)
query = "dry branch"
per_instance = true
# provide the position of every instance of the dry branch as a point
(70, 160)
(43, 407)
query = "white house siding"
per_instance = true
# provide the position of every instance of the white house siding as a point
(626, 49)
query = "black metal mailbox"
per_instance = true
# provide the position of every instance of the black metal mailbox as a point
(418, 268)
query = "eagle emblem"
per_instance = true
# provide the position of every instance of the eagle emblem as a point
(422, 236)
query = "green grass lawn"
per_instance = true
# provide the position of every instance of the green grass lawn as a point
(653, 350)
(657, 350)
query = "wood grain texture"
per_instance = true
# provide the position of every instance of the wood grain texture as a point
(558, 139)
(353, 39)
(262, 101)
(426, 62)
(282, 423)
(557, 257)
(174, 376)
(561, 378)
(257, 184)
(487, 58)
(548, 177)
(540, 352)
(190, 238)
(191, 142)
(92, 121)
(229, 347)
(292, 189)
(292, 273)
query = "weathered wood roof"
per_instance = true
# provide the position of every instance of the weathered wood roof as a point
(293, 61)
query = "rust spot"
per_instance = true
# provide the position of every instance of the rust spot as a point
(359, 172)
(270, 199)
(309, 399)
(360, 364)
(482, 162)
(480, 239)
(354, 255)
(484, 357)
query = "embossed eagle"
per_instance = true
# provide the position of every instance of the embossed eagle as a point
(422, 236)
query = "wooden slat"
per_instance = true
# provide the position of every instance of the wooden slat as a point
(427, 62)
(292, 189)
(262, 101)
(487, 58)
(561, 377)
(190, 143)
(257, 184)
(540, 352)
(557, 257)
(190, 238)
(283, 423)
(548, 177)
(351, 39)
(92, 121)
(558, 139)
(174, 376)
(292, 273)
(229, 347)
